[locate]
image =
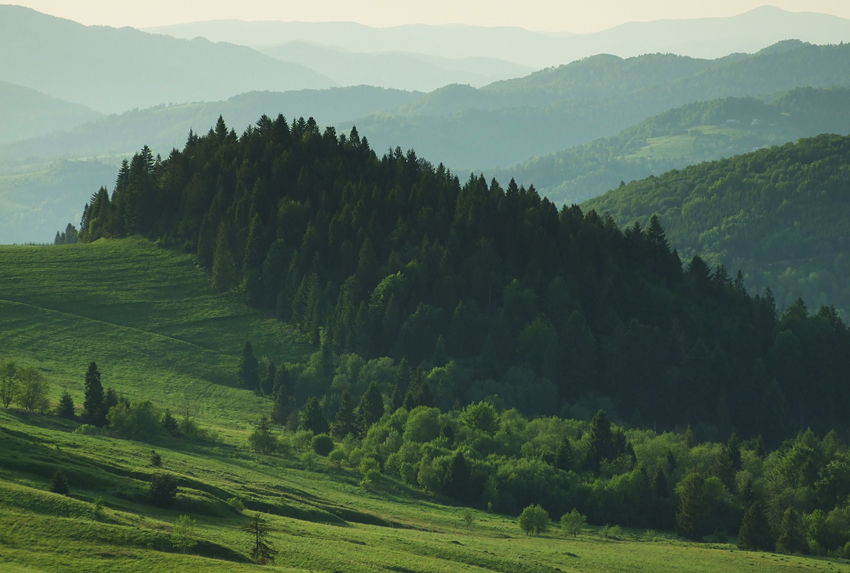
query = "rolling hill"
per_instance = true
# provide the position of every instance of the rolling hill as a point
(548, 111)
(113, 70)
(26, 113)
(778, 214)
(684, 136)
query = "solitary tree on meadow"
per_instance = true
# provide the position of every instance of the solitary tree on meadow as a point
(93, 406)
(262, 551)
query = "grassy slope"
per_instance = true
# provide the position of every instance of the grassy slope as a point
(149, 318)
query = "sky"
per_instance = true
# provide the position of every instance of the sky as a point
(577, 16)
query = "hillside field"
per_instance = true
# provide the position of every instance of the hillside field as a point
(158, 331)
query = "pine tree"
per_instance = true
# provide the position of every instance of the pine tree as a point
(346, 421)
(261, 550)
(792, 534)
(312, 417)
(261, 439)
(170, 424)
(65, 408)
(371, 407)
(724, 468)
(281, 381)
(247, 373)
(283, 406)
(456, 481)
(59, 484)
(691, 517)
(754, 534)
(600, 441)
(564, 455)
(397, 399)
(93, 407)
(269, 379)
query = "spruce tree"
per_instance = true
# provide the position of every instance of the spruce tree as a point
(456, 480)
(792, 534)
(346, 421)
(724, 468)
(754, 534)
(564, 455)
(691, 518)
(93, 407)
(65, 408)
(600, 441)
(261, 550)
(59, 484)
(312, 417)
(281, 381)
(269, 379)
(247, 373)
(371, 407)
(283, 406)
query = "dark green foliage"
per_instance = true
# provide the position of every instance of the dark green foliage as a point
(163, 489)
(345, 421)
(792, 534)
(541, 307)
(224, 274)
(267, 384)
(603, 442)
(313, 418)
(282, 407)
(59, 484)
(247, 373)
(371, 406)
(564, 459)
(322, 444)
(94, 411)
(156, 459)
(754, 534)
(281, 381)
(169, 424)
(692, 516)
(262, 550)
(482, 417)
(261, 439)
(67, 237)
(65, 408)
(456, 482)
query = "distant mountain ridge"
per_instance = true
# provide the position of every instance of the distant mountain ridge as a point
(112, 70)
(707, 38)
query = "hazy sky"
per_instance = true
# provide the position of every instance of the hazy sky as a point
(550, 15)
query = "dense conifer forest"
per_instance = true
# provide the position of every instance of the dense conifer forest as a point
(482, 291)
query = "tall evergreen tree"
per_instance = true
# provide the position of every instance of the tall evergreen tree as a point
(224, 275)
(564, 455)
(262, 551)
(792, 534)
(248, 374)
(371, 408)
(600, 440)
(754, 534)
(692, 518)
(65, 408)
(59, 484)
(93, 407)
(268, 382)
(313, 418)
(346, 421)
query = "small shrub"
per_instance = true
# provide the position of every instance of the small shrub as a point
(97, 508)
(719, 537)
(59, 484)
(169, 424)
(336, 457)
(322, 444)
(88, 430)
(183, 533)
(309, 459)
(163, 489)
(468, 517)
(235, 504)
(156, 459)
(611, 531)
(139, 420)
(301, 440)
(649, 535)
(65, 408)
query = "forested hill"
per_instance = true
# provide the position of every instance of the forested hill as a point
(483, 290)
(683, 136)
(780, 214)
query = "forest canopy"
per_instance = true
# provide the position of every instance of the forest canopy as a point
(479, 290)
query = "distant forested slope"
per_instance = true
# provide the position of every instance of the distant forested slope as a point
(684, 136)
(511, 121)
(779, 214)
(26, 113)
(484, 290)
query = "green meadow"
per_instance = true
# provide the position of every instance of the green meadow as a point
(157, 330)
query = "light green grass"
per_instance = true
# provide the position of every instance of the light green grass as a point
(158, 331)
